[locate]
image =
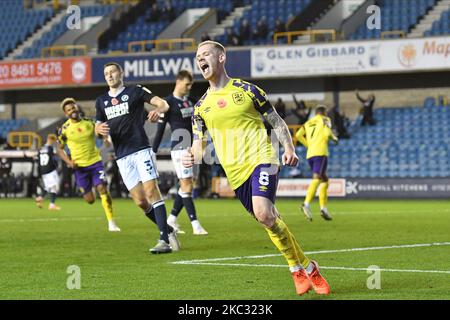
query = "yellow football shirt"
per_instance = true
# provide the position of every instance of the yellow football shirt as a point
(315, 134)
(80, 139)
(233, 118)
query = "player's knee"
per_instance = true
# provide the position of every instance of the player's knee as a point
(186, 185)
(264, 216)
(186, 189)
(89, 198)
(101, 188)
(152, 192)
(141, 203)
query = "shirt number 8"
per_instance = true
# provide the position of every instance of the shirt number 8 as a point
(263, 178)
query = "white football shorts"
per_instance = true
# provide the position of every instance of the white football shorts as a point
(51, 181)
(182, 172)
(137, 167)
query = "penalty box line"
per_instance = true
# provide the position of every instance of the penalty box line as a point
(321, 267)
(216, 261)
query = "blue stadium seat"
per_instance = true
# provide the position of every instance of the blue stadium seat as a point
(376, 153)
(398, 15)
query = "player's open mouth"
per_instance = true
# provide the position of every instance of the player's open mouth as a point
(204, 68)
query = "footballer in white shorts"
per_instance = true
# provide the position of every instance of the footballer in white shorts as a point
(51, 181)
(137, 167)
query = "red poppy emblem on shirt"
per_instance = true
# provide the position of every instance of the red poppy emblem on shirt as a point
(80, 130)
(222, 103)
(114, 101)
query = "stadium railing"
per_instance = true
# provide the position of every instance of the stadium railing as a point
(64, 51)
(162, 44)
(57, 4)
(24, 139)
(311, 33)
(399, 33)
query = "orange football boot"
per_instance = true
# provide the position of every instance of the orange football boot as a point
(301, 281)
(319, 284)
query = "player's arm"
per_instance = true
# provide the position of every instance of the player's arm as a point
(160, 104)
(333, 137)
(301, 136)
(101, 126)
(265, 108)
(159, 132)
(147, 96)
(53, 155)
(329, 130)
(283, 136)
(195, 153)
(62, 153)
(107, 141)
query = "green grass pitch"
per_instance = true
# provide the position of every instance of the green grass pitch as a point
(37, 246)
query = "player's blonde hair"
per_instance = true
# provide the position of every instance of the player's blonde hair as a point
(216, 45)
(51, 137)
(67, 101)
(321, 108)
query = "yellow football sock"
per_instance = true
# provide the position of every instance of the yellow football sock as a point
(107, 205)
(286, 244)
(323, 194)
(312, 190)
(304, 261)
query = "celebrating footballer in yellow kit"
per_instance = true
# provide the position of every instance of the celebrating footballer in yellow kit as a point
(231, 111)
(78, 134)
(314, 135)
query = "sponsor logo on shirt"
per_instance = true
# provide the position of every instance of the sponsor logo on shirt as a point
(117, 110)
(187, 112)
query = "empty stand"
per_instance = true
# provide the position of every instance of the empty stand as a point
(271, 10)
(408, 142)
(441, 26)
(10, 125)
(396, 15)
(59, 28)
(18, 23)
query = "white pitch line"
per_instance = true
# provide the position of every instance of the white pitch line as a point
(390, 212)
(387, 270)
(318, 252)
(382, 248)
(48, 219)
(321, 267)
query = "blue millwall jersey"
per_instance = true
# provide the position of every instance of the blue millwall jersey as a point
(124, 114)
(47, 159)
(179, 119)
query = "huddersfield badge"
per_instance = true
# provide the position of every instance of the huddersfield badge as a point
(238, 98)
